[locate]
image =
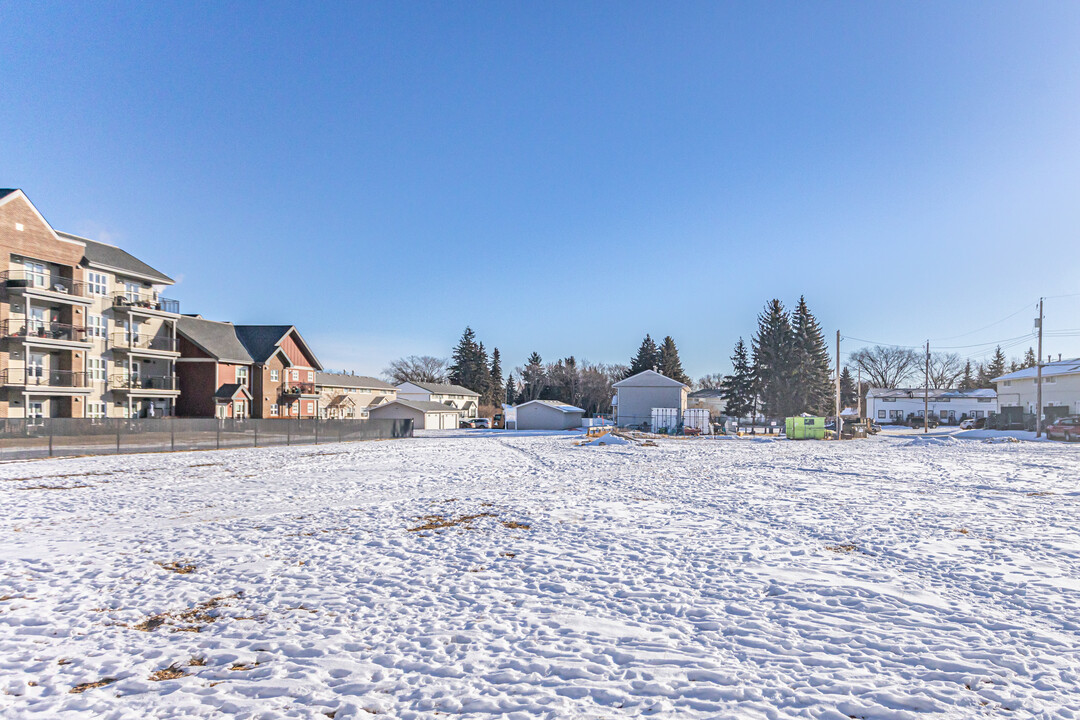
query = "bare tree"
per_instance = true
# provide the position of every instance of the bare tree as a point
(710, 382)
(885, 367)
(945, 370)
(417, 368)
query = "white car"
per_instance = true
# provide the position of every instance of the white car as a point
(968, 424)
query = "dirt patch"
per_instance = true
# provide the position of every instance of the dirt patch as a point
(91, 685)
(844, 548)
(508, 555)
(962, 531)
(177, 567)
(170, 673)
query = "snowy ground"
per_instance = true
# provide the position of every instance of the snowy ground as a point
(896, 577)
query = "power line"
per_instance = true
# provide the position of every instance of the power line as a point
(996, 322)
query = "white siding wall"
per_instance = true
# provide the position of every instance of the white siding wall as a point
(1064, 390)
(636, 403)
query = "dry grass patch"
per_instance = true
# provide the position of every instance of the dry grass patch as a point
(52, 487)
(244, 666)
(209, 464)
(508, 555)
(844, 548)
(514, 525)
(170, 673)
(177, 567)
(1039, 494)
(962, 531)
(441, 522)
(191, 620)
(91, 685)
(196, 662)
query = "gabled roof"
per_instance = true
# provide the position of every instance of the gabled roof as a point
(4, 192)
(102, 255)
(442, 388)
(919, 394)
(649, 378)
(560, 406)
(1061, 367)
(340, 401)
(10, 194)
(262, 341)
(421, 405)
(229, 391)
(357, 381)
(216, 339)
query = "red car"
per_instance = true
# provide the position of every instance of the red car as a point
(1066, 428)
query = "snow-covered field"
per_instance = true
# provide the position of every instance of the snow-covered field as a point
(484, 575)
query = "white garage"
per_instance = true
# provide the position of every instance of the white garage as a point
(548, 415)
(425, 415)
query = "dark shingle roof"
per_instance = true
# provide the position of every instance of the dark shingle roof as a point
(97, 253)
(4, 192)
(218, 339)
(261, 340)
(421, 405)
(445, 389)
(358, 381)
(228, 391)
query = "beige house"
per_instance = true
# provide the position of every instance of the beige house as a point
(1060, 385)
(343, 396)
(637, 396)
(425, 415)
(460, 398)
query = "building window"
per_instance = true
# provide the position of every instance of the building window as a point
(881, 414)
(1007, 383)
(293, 407)
(239, 409)
(1049, 380)
(132, 291)
(273, 376)
(96, 326)
(97, 283)
(35, 273)
(310, 408)
(943, 414)
(274, 410)
(295, 374)
(97, 369)
(95, 411)
(242, 376)
(310, 376)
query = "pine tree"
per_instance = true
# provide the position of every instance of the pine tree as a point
(511, 391)
(647, 358)
(670, 365)
(996, 368)
(497, 390)
(982, 378)
(849, 396)
(483, 374)
(772, 348)
(463, 370)
(1029, 359)
(737, 389)
(812, 387)
(534, 378)
(967, 380)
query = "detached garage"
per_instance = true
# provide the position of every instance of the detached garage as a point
(548, 415)
(425, 415)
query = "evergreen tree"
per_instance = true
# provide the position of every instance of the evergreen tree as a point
(463, 370)
(497, 390)
(670, 365)
(982, 378)
(534, 378)
(1029, 359)
(737, 389)
(996, 368)
(511, 392)
(812, 388)
(483, 374)
(647, 358)
(967, 380)
(772, 348)
(849, 396)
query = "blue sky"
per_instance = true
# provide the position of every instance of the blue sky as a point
(565, 177)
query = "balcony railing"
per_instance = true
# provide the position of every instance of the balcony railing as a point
(43, 330)
(17, 280)
(125, 340)
(298, 388)
(142, 382)
(43, 377)
(145, 301)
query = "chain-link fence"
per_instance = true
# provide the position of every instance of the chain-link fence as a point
(53, 437)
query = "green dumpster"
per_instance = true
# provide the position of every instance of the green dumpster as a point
(805, 428)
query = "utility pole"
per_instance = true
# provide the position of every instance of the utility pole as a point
(926, 393)
(838, 428)
(858, 392)
(1038, 375)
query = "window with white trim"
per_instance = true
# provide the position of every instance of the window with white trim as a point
(36, 273)
(240, 409)
(242, 376)
(310, 376)
(273, 376)
(95, 411)
(881, 414)
(293, 407)
(97, 326)
(274, 410)
(98, 369)
(310, 408)
(97, 283)
(295, 374)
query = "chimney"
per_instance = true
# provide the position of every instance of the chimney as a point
(1059, 357)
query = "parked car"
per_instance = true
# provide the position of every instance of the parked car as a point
(917, 422)
(466, 423)
(1066, 428)
(484, 423)
(873, 428)
(968, 424)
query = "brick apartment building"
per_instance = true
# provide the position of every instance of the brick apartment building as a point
(84, 329)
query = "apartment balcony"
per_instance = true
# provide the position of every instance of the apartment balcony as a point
(45, 286)
(42, 381)
(145, 303)
(145, 386)
(45, 334)
(148, 345)
(299, 389)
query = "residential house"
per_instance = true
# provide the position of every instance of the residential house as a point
(1060, 384)
(425, 415)
(638, 395)
(214, 370)
(709, 399)
(343, 396)
(86, 332)
(283, 372)
(895, 405)
(460, 398)
(547, 415)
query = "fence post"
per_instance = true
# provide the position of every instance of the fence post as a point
(316, 421)
(172, 434)
(119, 425)
(255, 427)
(340, 427)
(288, 431)
(50, 436)
(219, 434)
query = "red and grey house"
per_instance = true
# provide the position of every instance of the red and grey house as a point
(259, 371)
